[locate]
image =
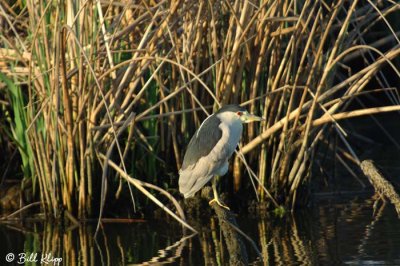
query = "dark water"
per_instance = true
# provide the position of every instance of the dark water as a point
(342, 232)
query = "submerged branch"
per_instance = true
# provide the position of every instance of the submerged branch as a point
(233, 235)
(381, 185)
(33, 204)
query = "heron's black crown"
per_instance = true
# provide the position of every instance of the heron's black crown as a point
(231, 108)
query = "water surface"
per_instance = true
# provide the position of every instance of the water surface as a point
(336, 231)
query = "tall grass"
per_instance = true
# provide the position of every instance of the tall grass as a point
(85, 67)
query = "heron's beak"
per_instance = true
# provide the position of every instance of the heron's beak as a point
(251, 118)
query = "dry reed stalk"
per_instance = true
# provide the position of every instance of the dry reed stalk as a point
(141, 186)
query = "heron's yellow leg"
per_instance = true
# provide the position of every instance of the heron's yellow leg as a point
(216, 198)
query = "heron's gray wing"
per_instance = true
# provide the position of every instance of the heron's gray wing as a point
(203, 141)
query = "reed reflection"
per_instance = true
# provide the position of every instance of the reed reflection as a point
(332, 233)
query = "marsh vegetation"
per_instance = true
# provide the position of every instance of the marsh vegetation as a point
(100, 98)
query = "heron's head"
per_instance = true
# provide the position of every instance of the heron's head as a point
(236, 112)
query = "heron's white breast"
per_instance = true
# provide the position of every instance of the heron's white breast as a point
(231, 127)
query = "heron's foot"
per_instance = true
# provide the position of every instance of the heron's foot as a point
(219, 203)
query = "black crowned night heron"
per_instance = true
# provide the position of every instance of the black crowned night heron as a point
(211, 147)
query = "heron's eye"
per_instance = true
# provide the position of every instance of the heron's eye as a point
(239, 113)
